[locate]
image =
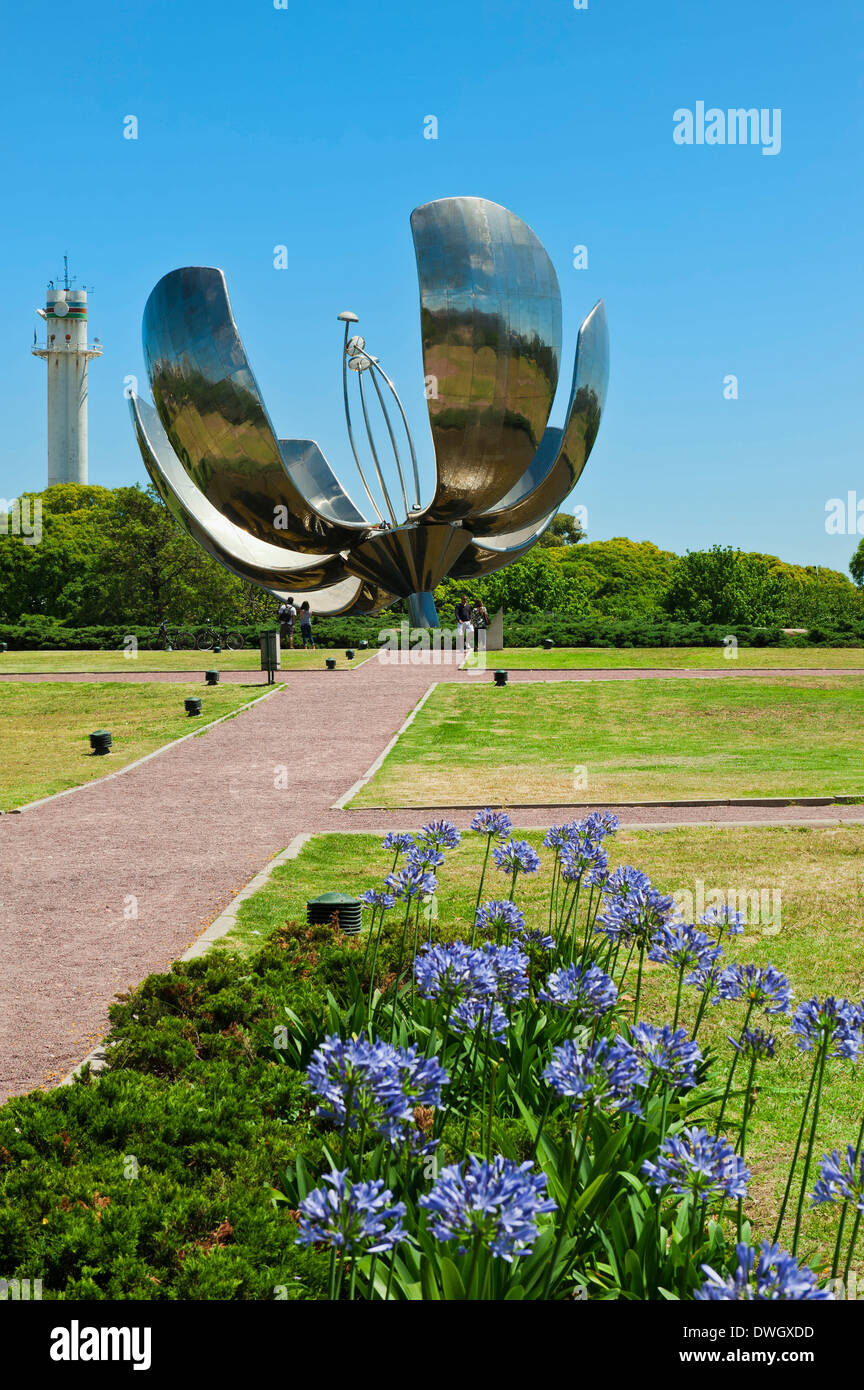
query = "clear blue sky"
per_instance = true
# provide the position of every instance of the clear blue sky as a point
(304, 126)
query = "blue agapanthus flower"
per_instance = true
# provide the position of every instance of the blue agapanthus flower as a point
(499, 914)
(763, 986)
(423, 856)
(834, 1024)
(454, 973)
(556, 836)
(516, 857)
(412, 881)
(698, 1163)
(683, 947)
(725, 920)
(598, 824)
(357, 1218)
(606, 1074)
(376, 897)
(396, 840)
(536, 943)
(705, 977)
(584, 859)
(442, 834)
(480, 1013)
(584, 993)
(374, 1086)
(489, 822)
(633, 910)
(768, 1274)
(841, 1179)
(755, 1042)
(510, 967)
(494, 1203)
(667, 1054)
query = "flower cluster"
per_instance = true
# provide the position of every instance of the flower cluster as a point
(356, 1218)
(841, 1180)
(395, 840)
(492, 823)
(667, 1054)
(376, 897)
(835, 1024)
(700, 1164)
(453, 973)
(584, 993)
(755, 1042)
(683, 947)
(497, 914)
(516, 857)
(374, 1086)
(605, 1074)
(761, 986)
(633, 909)
(440, 834)
(726, 920)
(768, 1273)
(495, 1204)
(414, 881)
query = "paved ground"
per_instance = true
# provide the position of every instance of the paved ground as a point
(448, 673)
(173, 839)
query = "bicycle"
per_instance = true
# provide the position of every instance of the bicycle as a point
(178, 641)
(211, 637)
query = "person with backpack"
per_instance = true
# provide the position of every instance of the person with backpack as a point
(287, 620)
(480, 622)
(463, 622)
(306, 624)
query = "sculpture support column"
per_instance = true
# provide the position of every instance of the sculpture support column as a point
(421, 610)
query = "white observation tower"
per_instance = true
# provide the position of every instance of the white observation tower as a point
(67, 354)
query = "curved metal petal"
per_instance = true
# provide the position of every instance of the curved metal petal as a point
(409, 559)
(491, 323)
(488, 553)
(268, 566)
(210, 405)
(558, 463)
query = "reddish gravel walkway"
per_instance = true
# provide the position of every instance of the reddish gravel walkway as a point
(175, 838)
(452, 673)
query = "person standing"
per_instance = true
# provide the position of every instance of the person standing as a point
(287, 620)
(463, 622)
(306, 625)
(479, 622)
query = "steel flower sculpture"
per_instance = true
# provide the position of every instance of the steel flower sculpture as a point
(272, 510)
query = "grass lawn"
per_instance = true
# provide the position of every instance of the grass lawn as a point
(45, 728)
(816, 877)
(587, 658)
(51, 663)
(645, 740)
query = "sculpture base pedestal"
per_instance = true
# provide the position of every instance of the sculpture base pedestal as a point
(421, 610)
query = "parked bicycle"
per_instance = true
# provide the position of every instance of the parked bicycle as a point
(178, 641)
(215, 637)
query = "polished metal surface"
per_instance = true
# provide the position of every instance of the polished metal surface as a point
(490, 312)
(272, 510)
(272, 568)
(210, 406)
(558, 463)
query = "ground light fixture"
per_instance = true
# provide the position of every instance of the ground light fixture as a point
(192, 705)
(548, 644)
(348, 911)
(100, 742)
(211, 677)
(350, 653)
(330, 663)
(500, 677)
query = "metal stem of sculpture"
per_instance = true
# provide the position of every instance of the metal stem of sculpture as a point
(272, 510)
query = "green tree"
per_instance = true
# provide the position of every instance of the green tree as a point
(724, 585)
(856, 564)
(563, 530)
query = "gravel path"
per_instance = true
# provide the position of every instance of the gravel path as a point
(99, 888)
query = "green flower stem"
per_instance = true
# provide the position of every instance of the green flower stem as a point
(543, 1118)
(845, 1208)
(480, 889)
(678, 997)
(796, 1153)
(639, 982)
(848, 1265)
(807, 1161)
(750, 1008)
(745, 1120)
(399, 969)
(579, 1149)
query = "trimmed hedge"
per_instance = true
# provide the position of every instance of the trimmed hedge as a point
(38, 633)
